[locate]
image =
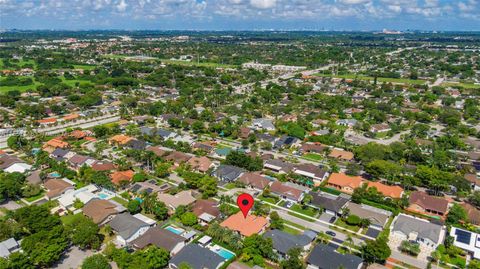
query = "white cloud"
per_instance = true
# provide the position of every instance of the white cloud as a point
(263, 4)
(121, 6)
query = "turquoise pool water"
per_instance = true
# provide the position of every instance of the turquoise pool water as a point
(227, 255)
(173, 230)
(103, 196)
(55, 174)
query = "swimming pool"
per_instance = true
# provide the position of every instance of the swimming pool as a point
(103, 196)
(55, 174)
(226, 254)
(174, 230)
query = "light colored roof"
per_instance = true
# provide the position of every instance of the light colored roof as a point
(99, 210)
(376, 216)
(181, 198)
(245, 226)
(18, 167)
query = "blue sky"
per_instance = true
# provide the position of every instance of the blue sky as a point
(241, 14)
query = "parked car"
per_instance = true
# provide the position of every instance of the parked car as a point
(332, 219)
(331, 233)
(288, 204)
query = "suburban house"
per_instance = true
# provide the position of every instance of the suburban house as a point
(378, 217)
(286, 141)
(56, 187)
(474, 181)
(207, 147)
(313, 147)
(102, 211)
(466, 240)
(10, 164)
(426, 204)
(103, 166)
(254, 180)
(380, 128)
(161, 238)
(332, 204)
(287, 192)
(84, 195)
(245, 226)
(228, 173)
(206, 210)
(8, 247)
(341, 154)
(344, 183)
(128, 228)
(149, 186)
(200, 164)
(158, 151)
(311, 171)
(173, 201)
(34, 177)
(118, 177)
(395, 192)
(278, 166)
(54, 144)
(165, 134)
(283, 242)
(119, 140)
(326, 257)
(177, 157)
(472, 212)
(263, 124)
(427, 234)
(196, 257)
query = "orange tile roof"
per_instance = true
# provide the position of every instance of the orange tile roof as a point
(71, 117)
(119, 176)
(245, 226)
(56, 143)
(342, 180)
(78, 134)
(121, 139)
(49, 120)
(389, 191)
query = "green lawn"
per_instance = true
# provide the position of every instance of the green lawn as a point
(300, 216)
(229, 186)
(312, 156)
(269, 199)
(120, 201)
(290, 230)
(84, 66)
(342, 224)
(69, 219)
(464, 85)
(194, 63)
(309, 211)
(387, 80)
(294, 224)
(36, 197)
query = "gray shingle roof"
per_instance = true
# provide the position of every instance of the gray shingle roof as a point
(325, 257)
(328, 201)
(283, 241)
(126, 225)
(228, 172)
(425, 229)
(197, 257)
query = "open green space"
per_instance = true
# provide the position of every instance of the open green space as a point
(342, 224)
(463, 85)
(379, 79)
(312, 157)
(36, 197)
(120, 201)
(194, 63)
(269, 199)
(309, 211)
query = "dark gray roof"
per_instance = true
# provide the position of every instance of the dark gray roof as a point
(197, 257)
(328, 201)
(325, 257)
(159, 237)
(283, 241)
(228, 172)
(59, 152)
(126, 225)
(285, 140)
(137, 144)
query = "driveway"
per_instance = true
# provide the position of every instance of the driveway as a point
(11, 205)
(73, 258)
(325, 217)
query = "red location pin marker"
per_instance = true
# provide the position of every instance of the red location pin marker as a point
(245, 202)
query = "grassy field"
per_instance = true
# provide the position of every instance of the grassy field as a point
(342, 224)
(309, 211)
(193, 63)
(387, 80)
(36, 197)
(312, 156)
(120, 201)
(84, 66)
(271, 199)
(463, 85)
